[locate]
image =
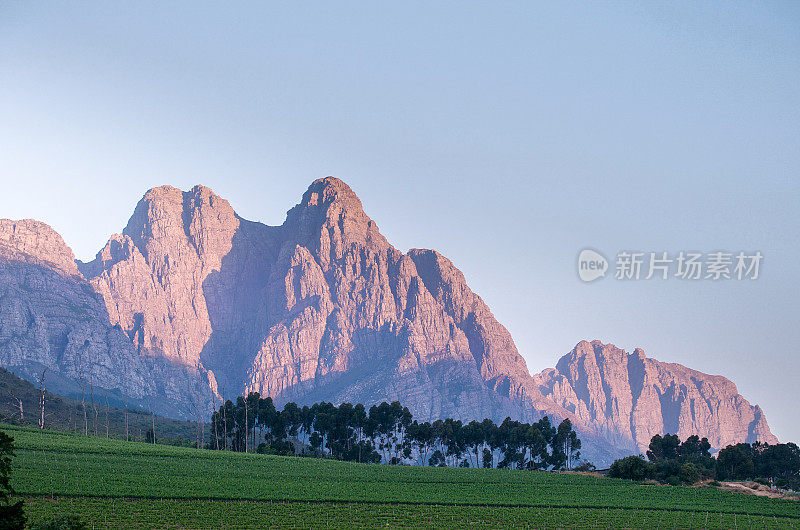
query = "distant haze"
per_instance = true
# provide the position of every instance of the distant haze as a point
(507, 139)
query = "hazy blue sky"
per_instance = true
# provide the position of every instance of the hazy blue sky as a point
(507, 137)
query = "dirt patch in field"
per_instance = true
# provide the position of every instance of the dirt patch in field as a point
(583, 473)
(754, 488)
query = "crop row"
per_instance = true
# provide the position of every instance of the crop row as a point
(139, 513)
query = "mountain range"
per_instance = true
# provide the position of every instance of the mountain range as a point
(192, 304)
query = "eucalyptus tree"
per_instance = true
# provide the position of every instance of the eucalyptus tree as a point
(388, 433)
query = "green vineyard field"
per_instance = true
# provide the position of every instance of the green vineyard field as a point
(126, 484)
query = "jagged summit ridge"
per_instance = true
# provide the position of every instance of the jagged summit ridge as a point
(290, 310)
(628, 396)
(34, 242)
(330, 219)
(325, 191)
(51, 317)
(323, 307)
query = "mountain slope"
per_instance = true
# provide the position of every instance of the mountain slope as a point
(629, 397)
(102, 416)
(321, 306)
(195, 303)
(50, 316)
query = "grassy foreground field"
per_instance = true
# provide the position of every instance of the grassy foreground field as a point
(126, 484)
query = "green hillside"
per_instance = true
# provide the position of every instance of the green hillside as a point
(128, 484)
(102, 417)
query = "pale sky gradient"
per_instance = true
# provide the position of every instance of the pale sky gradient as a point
(508, 137)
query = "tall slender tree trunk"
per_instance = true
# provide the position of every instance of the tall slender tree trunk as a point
(83, 404)
(225, 416)
(21, 411)
(94, 407)
(197, 423)
(41, 399)
(215, 419)
(200, 417)
(255, 420)
(107, 417)
(91, 393)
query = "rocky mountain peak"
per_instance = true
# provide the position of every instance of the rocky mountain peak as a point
(630, 396)
(329, 220)
(325, 191)
(165, 215)
(321, 308)
(35, 242)
(586, 352)
(171, 245)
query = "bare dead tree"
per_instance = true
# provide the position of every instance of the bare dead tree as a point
(199, 399)
(200, 417)
(42, 399)
(225, 426)
(106, 415)
(153, 419)
(125, 406)
(258, 432)
(91, 394)
(82, 384)
(255, 432)
(215, 419)
(21, 411)
(94, 407)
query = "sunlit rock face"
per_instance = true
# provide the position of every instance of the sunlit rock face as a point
(192, 298)
(51, 318)
(627, 396)
(322, 307)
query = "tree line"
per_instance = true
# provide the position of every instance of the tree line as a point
(388, 433)
(779, 463)
(674, 462)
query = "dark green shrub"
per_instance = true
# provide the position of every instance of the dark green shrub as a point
(632, 467)
(12, 516)
(689, 474)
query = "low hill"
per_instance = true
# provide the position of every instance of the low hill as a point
(102, 418)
